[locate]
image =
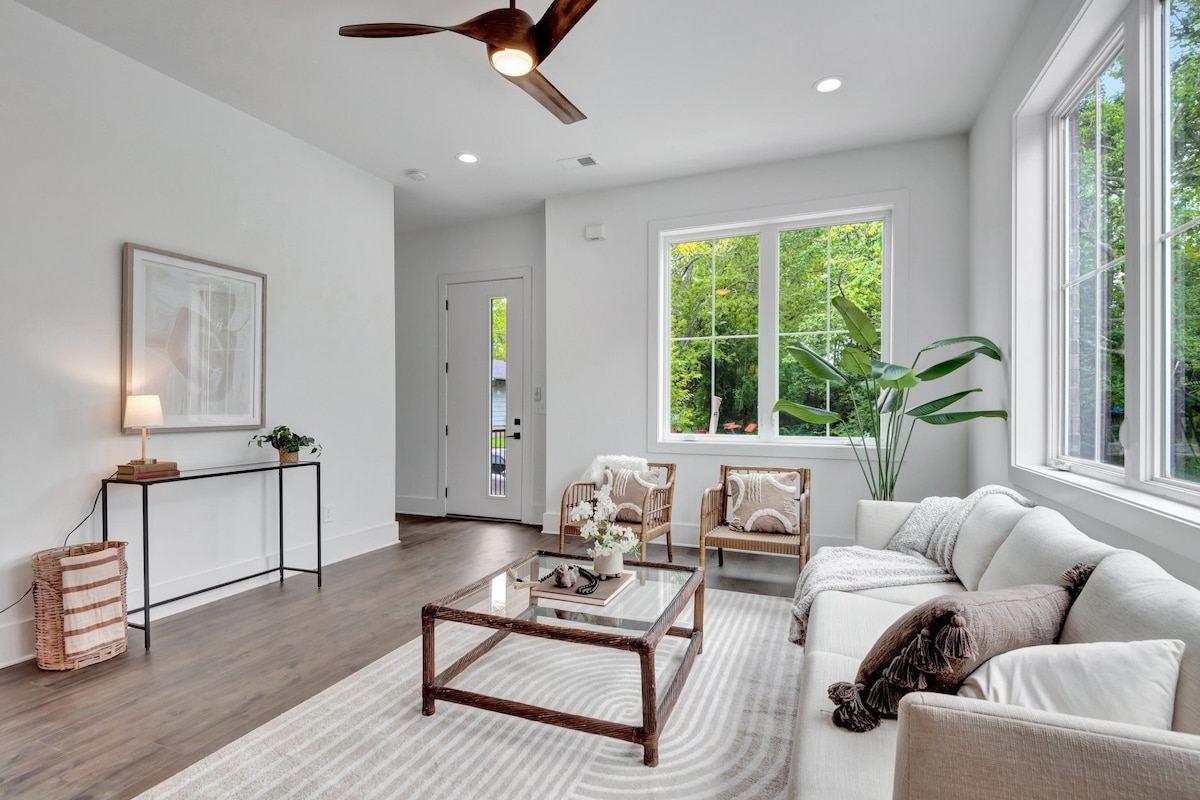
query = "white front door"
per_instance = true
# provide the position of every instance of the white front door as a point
(484, 398)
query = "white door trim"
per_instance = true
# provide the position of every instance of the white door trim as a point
(525, 274)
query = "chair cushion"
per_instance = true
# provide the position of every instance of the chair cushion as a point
(1043, 544)
(1131, 682)
(938, 644)
(829, 632)
(829, 763)
(981, 534)
(763, 502)
(629, 490)
(1129, 597)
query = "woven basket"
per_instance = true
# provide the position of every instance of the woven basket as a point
(48, 608)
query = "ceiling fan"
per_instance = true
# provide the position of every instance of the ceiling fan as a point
(516, 46)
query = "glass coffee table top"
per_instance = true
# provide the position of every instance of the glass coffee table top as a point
(650, 590)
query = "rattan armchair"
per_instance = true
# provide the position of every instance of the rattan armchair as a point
(715, 530)
(656, 510)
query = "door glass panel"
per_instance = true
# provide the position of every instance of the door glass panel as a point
(497, 471)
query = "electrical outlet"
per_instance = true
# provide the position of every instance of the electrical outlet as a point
(327, 512)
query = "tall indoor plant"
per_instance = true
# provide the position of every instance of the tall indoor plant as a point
(879, 392)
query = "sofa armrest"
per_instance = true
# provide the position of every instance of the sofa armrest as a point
(876, 521)
(954, 747)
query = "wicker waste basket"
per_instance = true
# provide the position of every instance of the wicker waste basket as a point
(96, 632)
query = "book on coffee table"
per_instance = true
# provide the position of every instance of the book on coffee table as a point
(604, 593)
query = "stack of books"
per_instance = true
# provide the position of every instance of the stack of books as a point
(144, 472)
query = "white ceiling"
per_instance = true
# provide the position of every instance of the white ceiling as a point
(670, 87)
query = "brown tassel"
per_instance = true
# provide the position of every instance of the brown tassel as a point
(885, 697)
(905, 674)
(850, 713)
(954, 640)
(924, 655)
(1077, 576)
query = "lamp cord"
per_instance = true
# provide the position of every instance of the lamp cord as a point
(95, 500)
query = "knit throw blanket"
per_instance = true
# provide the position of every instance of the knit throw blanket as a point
(920, 552)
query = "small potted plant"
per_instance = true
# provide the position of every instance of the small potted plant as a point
(610, 541)
(287, 443)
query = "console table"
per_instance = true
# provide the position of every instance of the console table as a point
(202, 474)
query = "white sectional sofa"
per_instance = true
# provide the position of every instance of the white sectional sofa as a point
(946, 746)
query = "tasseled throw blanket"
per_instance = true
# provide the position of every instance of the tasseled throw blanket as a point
(919, 553)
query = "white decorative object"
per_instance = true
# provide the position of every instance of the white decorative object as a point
(608, 566)
(607, 536)
(595, 472)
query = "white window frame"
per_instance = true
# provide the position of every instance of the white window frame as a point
(1136, 498)
(891, 207)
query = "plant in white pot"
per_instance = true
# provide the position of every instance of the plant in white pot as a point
(288, 444)
(610, 541)
(879, 393)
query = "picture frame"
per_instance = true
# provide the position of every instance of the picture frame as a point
(193, 332)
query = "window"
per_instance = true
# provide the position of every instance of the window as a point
(736, 295)
(1127, 257)
(1180, 237)
(1092, 382)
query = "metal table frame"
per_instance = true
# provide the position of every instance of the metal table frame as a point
(191, 475)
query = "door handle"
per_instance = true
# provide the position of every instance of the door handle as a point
(513, 436)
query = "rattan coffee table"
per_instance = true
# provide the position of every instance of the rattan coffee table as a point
(636, 619)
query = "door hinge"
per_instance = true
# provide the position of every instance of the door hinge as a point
(447, 367)
(447, 305)
(447, 491)
(447, 430)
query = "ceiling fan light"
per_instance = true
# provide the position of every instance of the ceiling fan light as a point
(512, 62)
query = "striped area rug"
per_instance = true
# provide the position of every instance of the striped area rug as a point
(729, 736)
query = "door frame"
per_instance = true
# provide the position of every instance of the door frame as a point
(525, 274)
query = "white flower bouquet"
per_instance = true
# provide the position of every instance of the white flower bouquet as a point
(606, 536)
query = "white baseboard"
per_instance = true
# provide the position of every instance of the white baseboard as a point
(424, 506)
(17, 638)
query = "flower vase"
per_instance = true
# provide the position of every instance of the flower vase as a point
(609, 566)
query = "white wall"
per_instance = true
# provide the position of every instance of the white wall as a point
(1171, 540)
(596, 317)
(96, 150)
(421, 258)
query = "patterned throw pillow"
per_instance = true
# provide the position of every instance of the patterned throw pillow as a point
(934, 647)
(629, 489)
(764, 502)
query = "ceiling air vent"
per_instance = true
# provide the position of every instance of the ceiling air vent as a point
(575, 162)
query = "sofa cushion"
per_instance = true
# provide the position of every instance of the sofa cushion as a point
(828, 762)
(1132, 682)
(981, 534)
(847, 623)
(939, 643)
(763, 502)
(1042, 545)
(913, 594)
(1129, 597)
(629, 489)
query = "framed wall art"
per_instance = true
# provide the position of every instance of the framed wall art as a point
(194, 333)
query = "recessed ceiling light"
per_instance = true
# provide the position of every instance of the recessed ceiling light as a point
(467, 158)
(830, 84)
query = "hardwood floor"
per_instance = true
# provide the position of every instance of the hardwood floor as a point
(216, 672)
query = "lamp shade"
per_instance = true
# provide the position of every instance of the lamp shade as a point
(143, 411)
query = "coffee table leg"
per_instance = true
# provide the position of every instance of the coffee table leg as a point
(698, 613)
(427, 674)
(649, 708)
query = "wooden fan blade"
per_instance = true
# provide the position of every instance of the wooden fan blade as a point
(385, 30)
(557, 22)
(543, 91)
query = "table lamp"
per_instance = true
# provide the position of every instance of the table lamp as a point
(143, 411)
